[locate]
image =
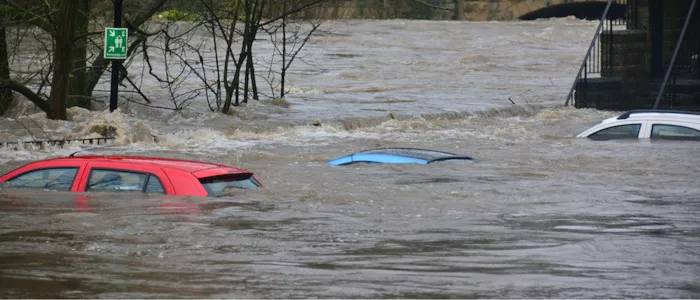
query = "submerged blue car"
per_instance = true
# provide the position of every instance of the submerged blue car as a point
(398, 156)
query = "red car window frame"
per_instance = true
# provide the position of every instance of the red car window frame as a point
(145, 182)
(49, 165)
(117, 166)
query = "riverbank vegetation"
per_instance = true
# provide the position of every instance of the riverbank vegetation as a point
(51, 52)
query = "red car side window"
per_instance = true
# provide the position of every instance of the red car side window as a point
(154, 186)
(59, 179)
(120, 180)
(114, 180)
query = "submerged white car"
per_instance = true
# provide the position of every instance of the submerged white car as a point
(654, 124)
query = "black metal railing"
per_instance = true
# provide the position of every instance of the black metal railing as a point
(626, 13)
(685, 62)
(599, 58)
(90, 141)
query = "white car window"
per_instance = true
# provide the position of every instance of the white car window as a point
(617, 132)
(663, 131)
(59, 179)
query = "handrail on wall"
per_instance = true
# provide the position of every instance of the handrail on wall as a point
(588, 53)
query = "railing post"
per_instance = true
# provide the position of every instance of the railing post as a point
(697, 54)
(585, 86)
(672, 101)
(596, 64)
(611, 57)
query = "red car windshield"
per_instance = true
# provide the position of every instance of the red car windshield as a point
(221, 185)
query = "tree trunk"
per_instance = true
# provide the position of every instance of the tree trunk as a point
(227, 61)
(253, 84)
(235, 83)
(78, 94)
(254, 28)
(284, 48)
(249, 19)
(62, 57)
(6, 98)
(233, 90)
(250, 67)
(245, 81)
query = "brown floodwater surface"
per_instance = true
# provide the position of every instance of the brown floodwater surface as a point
(539, 215)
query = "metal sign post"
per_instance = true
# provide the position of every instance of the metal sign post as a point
(115, 49)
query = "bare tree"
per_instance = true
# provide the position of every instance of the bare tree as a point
(66, 22)
(42, 17)
(237, 25)
(172, 54)
(289, 35)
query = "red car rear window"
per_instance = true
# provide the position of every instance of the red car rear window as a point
(220, 185)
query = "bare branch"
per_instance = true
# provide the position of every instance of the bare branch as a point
(292, 11)
(37, 125)
(25, 91)
(125, 74)
(44, 21)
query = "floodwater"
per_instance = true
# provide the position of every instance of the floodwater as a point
(540, 215)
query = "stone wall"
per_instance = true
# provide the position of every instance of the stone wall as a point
(472, 10)
(630, 55)
(484, 10)
(674, 18)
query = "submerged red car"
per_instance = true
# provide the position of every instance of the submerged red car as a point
(131, 173)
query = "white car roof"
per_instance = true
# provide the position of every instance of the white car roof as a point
(693, 117)
(667, 115)
(687, 117)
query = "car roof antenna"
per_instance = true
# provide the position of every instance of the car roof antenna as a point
(74, 153)
(82, 150)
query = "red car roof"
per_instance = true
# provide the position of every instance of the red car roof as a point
(189, 166)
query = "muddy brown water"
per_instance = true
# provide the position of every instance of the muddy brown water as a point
(539, 215)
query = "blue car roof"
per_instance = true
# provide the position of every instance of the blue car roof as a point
(397, 156)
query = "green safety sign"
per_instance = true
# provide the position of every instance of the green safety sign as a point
(115, 43)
